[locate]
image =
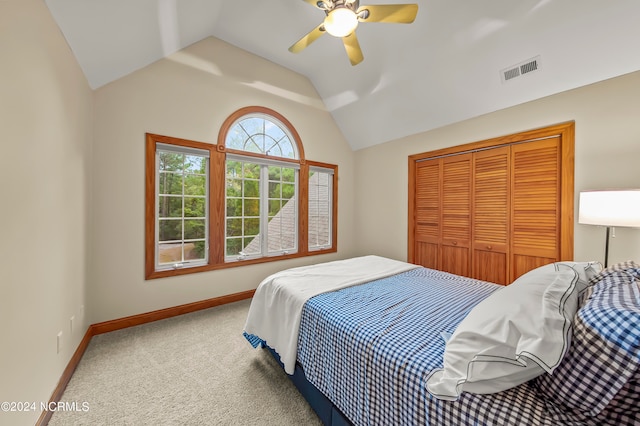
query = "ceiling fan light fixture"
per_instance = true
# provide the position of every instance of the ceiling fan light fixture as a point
(340, 22)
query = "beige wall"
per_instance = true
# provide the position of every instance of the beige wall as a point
(72, 173)
(189, 95)
(45, 119)
(607, 152)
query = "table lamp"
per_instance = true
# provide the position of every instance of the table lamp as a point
(610, 208)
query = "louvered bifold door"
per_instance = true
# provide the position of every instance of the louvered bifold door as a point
(427, 213)
(535, 221)
(455, 254)
(491, 208)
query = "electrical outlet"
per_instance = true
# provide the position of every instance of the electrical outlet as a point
(71, 320)
(59, 343)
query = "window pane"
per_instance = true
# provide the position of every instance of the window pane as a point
(287, 150)
(194, 164)
(313, 239)
(234, 169)
(251, 188)
(169, 206)
(259, 133)
(288, 241)
(320, 209)
(274, 207)
(194, 207)
(255, 144)
(171, 161)
(252, 226)
(275, 225)
(234, 207)
(194, 228)
(288, 190)
(288, 175)
(194, 250)
(288, 212)
(323, 179)
(274, 190)
(234, 227)
(273, 131)
(195, 185)
(170, 230)
(252, 207)
(275, 173)
(181, 190)
(282, 231)
(251, 171)
(252, 245)
(323, 230)
(170, 253)
(234, 246)
(275, 240)
(170, 183)
(234, 188)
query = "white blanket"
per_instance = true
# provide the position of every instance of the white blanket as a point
(276, 308)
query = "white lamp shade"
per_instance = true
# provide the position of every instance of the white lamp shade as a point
(610, 208)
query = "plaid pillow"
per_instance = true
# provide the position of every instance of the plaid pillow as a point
(600, 372)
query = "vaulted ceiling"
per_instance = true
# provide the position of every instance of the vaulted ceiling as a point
(445, 67)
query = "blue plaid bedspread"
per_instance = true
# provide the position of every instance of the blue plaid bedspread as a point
(370, 348)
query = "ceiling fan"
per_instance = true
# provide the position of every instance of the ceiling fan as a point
(343, 17)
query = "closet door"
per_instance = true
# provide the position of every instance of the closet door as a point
(536, 202)
(491, 209)
(427, 213)
(456, 214)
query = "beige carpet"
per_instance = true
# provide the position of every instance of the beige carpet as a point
(195, 369)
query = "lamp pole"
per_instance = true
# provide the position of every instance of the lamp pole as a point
(606, 247)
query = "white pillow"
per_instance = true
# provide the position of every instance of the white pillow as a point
(511, 337)
(585, 270)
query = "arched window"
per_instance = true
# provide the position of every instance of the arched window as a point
(263, 200)
(261, 133)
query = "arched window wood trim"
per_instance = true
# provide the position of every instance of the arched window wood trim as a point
(226, 126)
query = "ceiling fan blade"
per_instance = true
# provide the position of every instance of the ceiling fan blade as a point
(353, 48)
(392, 13)
(309, 38)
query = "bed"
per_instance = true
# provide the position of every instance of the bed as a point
(374, 341)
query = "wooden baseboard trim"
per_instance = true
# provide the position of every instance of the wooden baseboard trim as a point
(45, 416)
(118, 324)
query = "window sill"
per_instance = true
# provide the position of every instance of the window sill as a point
(234, 264)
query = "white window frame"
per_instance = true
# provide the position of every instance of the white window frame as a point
(183, 263)
(264, 207)
(317, 247)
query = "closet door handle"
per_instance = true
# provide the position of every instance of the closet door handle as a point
(489, 247)
(455, 243)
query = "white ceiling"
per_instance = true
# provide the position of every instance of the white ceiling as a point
(443, 68)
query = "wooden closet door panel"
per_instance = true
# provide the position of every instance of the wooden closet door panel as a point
(427, 254)
(490, 266)
(455, 260)
(536, 190)
(427, 214)
(491, 211)
(456, 214)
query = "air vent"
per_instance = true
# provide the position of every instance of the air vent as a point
(518, 70)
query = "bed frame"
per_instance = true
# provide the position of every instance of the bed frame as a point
(324, 408)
